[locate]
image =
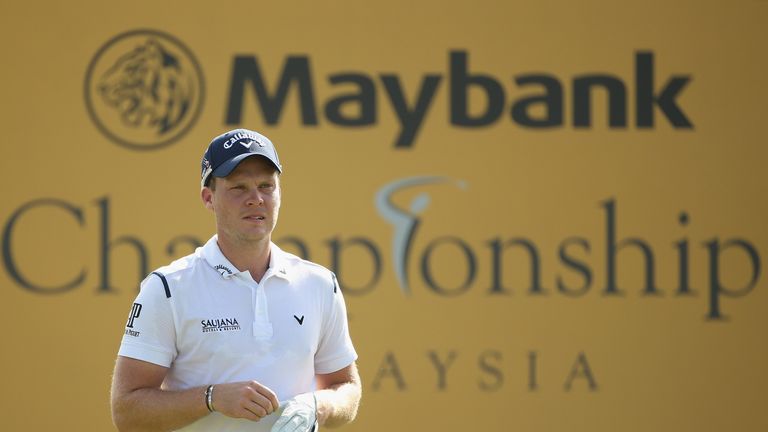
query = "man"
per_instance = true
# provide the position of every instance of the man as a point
(239, 335)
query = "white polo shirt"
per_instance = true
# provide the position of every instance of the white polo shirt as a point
(210, 323)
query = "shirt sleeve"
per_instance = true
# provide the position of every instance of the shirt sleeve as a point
(150, 333)
(335, 351)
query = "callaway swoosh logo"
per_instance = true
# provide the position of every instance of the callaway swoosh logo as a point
(248, 145)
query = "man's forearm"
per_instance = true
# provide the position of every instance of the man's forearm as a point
(147, 409)
(337, 405)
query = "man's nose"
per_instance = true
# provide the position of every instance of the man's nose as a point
(255, 198)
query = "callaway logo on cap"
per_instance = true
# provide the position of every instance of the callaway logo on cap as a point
(226, 151)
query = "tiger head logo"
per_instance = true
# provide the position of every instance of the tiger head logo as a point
(148, 87)
(144, 89)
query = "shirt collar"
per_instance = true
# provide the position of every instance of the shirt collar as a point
(216, 259)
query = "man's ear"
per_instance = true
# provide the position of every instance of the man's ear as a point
(206, 194)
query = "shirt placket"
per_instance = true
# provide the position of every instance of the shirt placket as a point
(262, 327)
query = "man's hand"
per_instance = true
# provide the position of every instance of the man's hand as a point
(299, 415)
(248, 399)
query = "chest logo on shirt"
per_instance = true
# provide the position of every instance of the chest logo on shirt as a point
(220, 324)
(299, 320)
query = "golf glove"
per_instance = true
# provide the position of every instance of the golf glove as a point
(299, 414)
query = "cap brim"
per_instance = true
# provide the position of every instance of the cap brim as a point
(227, 167)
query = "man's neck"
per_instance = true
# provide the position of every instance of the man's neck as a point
(251, 256)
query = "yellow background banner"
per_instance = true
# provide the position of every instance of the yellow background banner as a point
(544, 216)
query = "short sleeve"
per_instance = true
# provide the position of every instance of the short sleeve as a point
(150, 333)
(335, 350)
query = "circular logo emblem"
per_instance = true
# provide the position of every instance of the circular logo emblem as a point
(144, 89)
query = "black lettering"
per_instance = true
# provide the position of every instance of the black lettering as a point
(461, 81)
(135, 313)
(427, 273)
(336, 246)
(364, 99)
(645, 99)
(532, 359)
(410, 119)
(497, 249)
(441, 367)
(716, 287)
(106, 245)
(613, 247)
(683, 286)
(579, 266)
(389, 369)
(617, 100)
(300, 247)
(552, 100)
(296, 71)
(581, 369)
(170, 249)
(491, 370)
(10, 262)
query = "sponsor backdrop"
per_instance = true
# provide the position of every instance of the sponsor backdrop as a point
(544, 216)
